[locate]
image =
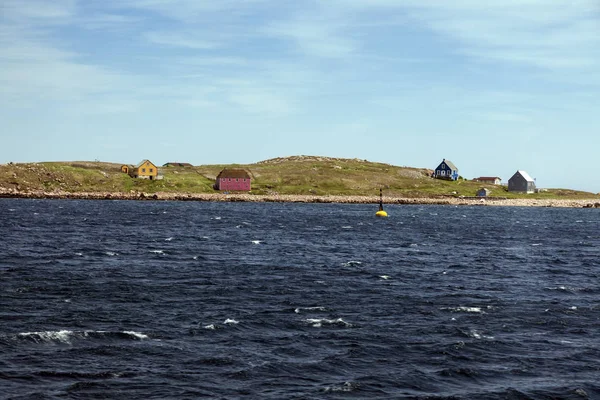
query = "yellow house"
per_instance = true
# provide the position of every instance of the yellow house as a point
(144, 170)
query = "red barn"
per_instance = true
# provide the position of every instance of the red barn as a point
(233, 179)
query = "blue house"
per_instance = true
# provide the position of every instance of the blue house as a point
(446, 170)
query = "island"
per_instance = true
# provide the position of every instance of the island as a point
(304, 179)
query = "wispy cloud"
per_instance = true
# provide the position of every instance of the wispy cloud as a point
(550, 35)
(180, 39)
(38, 11)
(320, 38)
(36, 68)
(191, 10)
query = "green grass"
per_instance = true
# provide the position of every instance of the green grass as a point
(294, 175)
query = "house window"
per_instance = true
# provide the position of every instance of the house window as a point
(237, 180)
(151, 170)
(143, 169)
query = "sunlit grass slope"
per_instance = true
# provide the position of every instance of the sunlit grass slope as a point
(289, 175)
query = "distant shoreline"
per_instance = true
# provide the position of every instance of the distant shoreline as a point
(280, 198)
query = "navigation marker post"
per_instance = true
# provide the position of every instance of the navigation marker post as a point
(381, 212)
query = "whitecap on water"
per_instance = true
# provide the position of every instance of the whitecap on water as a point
(385, 277)
(477, 335)
(157, 251)
(346, 387)
(136, 335)
(464, 309)
(257, 241)
(66, 336)
(111, 253)
(346, 227)
(352, 263)
(211, 327)
(79, 254)
(300, 309)
(168, 239)
(49, 336)
(319, 322)
(231, 321)
(561, 288)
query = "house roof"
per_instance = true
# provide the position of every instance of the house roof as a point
(177, 164)
(525, 175)
(449, 164)
(143, 162)
(487, 178)
(233, 173)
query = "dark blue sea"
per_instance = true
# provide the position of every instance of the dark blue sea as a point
(187, 300)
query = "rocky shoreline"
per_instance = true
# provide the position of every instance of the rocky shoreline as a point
(244, 197)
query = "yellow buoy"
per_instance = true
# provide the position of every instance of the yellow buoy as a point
(381, 213)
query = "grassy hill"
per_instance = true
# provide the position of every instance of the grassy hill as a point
(289, 175)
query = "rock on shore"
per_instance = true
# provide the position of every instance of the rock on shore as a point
(244, 197)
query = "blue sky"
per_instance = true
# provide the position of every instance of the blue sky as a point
(494, 86)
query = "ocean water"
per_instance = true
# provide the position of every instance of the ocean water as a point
(186, 300)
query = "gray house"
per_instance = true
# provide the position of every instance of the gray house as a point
(446, 170)
(521, 182)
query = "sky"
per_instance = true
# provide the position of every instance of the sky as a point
(495, 86)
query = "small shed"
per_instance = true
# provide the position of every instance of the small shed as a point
(233, 179)
(521, 182)
(483, 192)
(125, 168)
(446, 170)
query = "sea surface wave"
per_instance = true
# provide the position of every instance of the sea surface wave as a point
(176, 300)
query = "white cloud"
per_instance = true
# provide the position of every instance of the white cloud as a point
(179, 39)
(102, 21)
(545, 34)
(38, 11)
(190, 10)
(321, 38)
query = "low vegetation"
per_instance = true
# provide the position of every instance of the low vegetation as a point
(291, 175)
